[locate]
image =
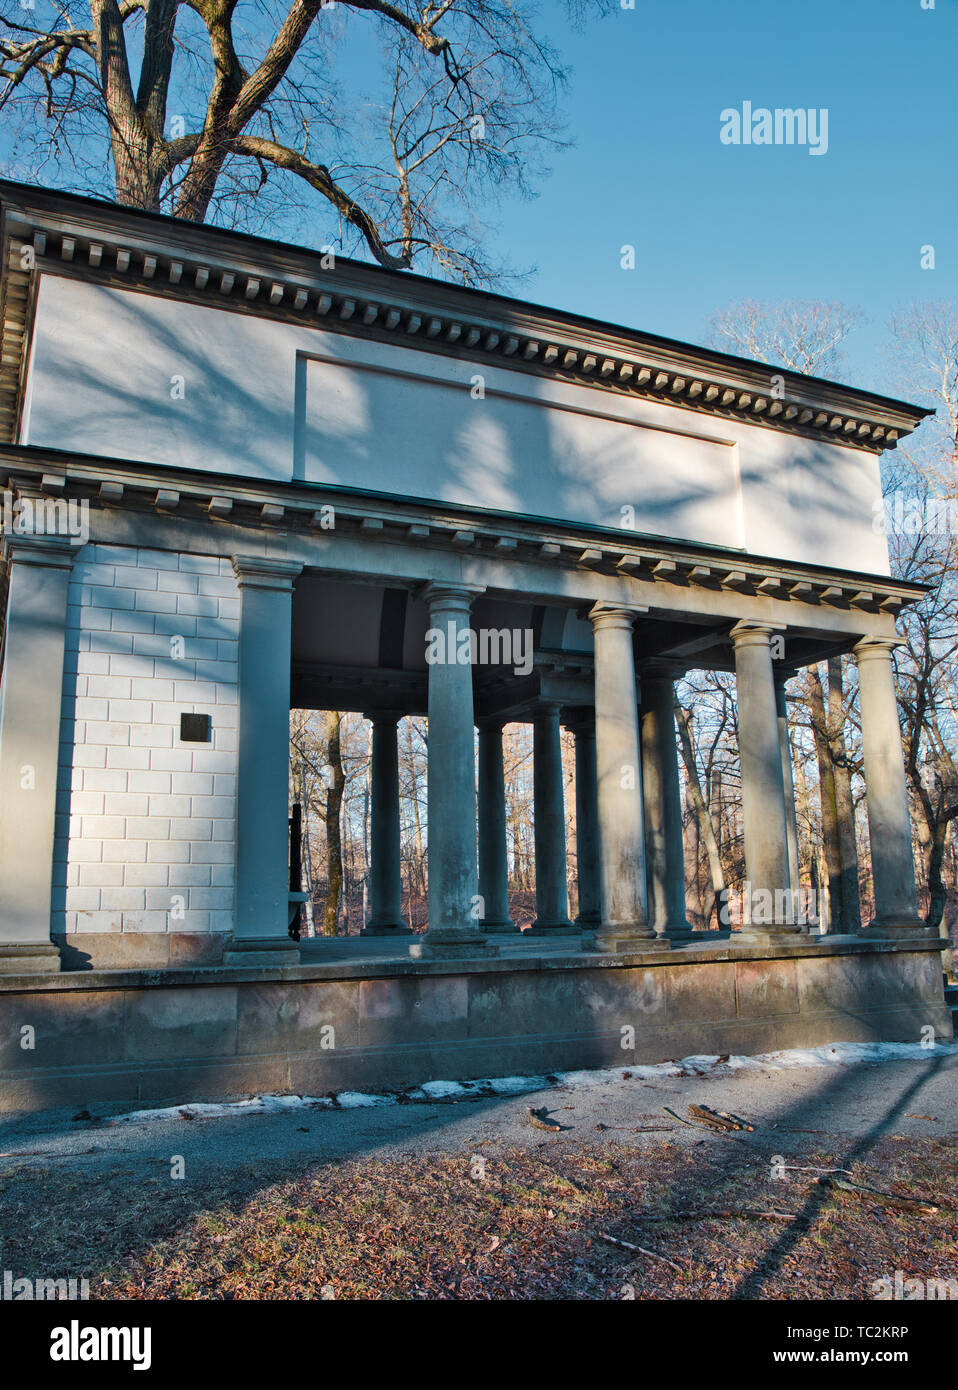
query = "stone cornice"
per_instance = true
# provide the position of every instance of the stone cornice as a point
(99, 242)
(296, 507)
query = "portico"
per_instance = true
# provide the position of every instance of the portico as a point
(623, 508)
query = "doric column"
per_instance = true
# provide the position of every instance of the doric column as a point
(886, 793)
(552, 894)
(385, 869)
(767, 895)
(493, 864)
(582, 724)
(785, 743)
(32, 683)
(625, 925)
(662, 794)
(454, 926)
(261, 931)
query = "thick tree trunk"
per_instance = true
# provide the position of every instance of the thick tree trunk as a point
(703, 897)
(136, 125)
(420, 868)
(334, 802)
(936, 888)
(842, 914)
(703, 817)
(844, 801)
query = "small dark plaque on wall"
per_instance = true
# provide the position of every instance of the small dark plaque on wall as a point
(195, 728)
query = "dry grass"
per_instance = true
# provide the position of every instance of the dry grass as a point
(426, 1228)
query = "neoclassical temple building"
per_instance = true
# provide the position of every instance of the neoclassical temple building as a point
(241, 477)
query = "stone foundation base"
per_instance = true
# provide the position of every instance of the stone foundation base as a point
(35, 958)
(139, 950)
(142, 1038)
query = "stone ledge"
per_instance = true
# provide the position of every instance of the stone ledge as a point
(575, 959)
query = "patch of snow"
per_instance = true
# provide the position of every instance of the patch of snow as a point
(441, 1090)
(360, 1100)
(204, 1110)
(839, 1054)
(516, 1085)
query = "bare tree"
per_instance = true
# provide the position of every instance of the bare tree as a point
(245, 114)
(828, 715)
(333, 817)
(802, 335)
(703, 814)
(923, 517)
(925, 347)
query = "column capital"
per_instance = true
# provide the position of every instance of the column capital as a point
(660, 668)
(752, 634)
(615, 615)
(263, 572)
(51, 553)
(579, 721)
(492, 723)
(871, 647)
(452, 595)
(439, 590)
(384, 716)
(547, 709)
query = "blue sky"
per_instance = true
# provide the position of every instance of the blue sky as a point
(714, 223)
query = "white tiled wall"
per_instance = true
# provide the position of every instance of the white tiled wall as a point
(146, 823)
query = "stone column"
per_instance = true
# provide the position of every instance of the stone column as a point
(791, 820)
(767, 899)
(886, 794)
(582, 724)
(665, 844)
(30, 695)
(493, 862)
(454, 927)
(261, 932)
(385, 870)
(552, 894)
(625, 925)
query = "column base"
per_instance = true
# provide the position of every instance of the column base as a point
(261, 951)
(883, 929)
(623, 941)
(562, 927)
(588, 921)
(386, 929)
(30, 958)
(503, 928)
(676, 931)
(452, 945)
(771, 936)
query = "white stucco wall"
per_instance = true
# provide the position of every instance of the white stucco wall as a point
(135, 376)
(146, 824)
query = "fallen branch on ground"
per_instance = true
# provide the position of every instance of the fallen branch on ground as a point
(540, 1118)
(719, 1119)
(745, 1212)
(639, 1250)
(700, 1124)
(892, 1199)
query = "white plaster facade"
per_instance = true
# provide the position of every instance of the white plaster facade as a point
(280, 402)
